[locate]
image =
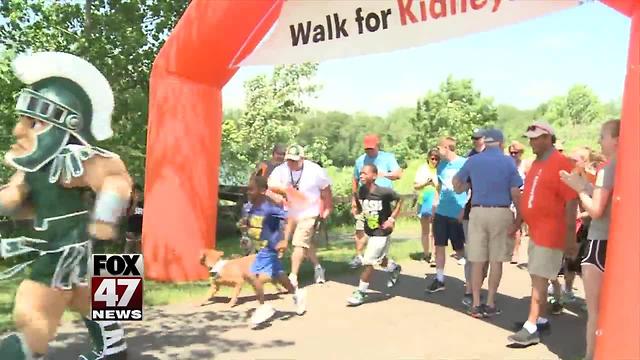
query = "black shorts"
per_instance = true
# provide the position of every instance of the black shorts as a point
(445, 229)
(596, 254)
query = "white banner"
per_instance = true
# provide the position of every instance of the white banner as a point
(316, 30)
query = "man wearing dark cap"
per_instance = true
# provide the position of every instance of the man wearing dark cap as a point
(264, 168)
(388, 171)
(490, 219)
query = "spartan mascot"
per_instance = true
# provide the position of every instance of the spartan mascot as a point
(64, 110)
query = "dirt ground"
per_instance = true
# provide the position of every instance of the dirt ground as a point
(400, 323)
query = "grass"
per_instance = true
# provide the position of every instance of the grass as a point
(334, 258)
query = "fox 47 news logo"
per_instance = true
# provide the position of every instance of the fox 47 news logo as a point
(116, 287)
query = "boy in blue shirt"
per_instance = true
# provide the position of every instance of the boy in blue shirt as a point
(449, 210)
(265, 221)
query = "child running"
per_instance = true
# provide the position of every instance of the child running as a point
(374, 203)
(265, 209)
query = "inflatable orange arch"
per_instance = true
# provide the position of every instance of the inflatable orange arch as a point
(184, 140)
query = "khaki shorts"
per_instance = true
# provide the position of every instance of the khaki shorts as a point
(377, 248)
(304, 232)
(543, 261)
(359, 222)
(489, 238)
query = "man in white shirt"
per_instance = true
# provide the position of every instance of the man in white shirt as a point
(309, 198)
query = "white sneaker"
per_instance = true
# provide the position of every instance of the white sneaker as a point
(294, 280)
(319, 275)
(262, 314)
(300, 300)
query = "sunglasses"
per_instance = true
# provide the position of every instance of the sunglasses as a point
(534, 127)
(434, 158)
(514, 153)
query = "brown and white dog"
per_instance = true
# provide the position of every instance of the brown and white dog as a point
(232, 272)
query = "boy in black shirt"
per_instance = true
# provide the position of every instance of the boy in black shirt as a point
(374, 202)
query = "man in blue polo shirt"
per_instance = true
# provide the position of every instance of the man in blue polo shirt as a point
(496, 185)
(388, 172)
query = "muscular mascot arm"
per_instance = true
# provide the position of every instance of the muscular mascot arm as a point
(13, 196)
(109, 179)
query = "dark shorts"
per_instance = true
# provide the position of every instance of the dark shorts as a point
(596, 253)
(445, 229)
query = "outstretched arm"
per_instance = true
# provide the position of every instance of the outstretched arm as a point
(13, 195)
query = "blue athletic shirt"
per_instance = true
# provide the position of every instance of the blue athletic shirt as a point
(451, 204)
(265, 224)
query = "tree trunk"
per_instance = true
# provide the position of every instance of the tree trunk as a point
(87, 16)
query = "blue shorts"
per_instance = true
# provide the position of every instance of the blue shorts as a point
(267, 263)
(424, 210)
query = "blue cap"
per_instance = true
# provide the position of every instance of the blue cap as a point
(477, 133)
(493, 136)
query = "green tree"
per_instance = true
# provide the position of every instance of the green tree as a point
(121, 38)
(513, 121)
(272, 107)
(582, 105)
(455, 110)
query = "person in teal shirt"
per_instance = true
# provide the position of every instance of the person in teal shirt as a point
(447, 221)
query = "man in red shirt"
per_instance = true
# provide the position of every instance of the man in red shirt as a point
(548, 206)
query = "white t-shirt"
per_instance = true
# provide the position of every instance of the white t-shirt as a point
(309, 180)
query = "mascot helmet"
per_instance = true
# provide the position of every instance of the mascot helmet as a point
(67, 92)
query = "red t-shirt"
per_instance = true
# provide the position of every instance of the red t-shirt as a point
(544, 199)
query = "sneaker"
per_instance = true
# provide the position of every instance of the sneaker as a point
(436, 286)
(300, 300)
(524, 337)
(356, 262)
(318, 275)
(467, 300)
(490, 311)
(294, 280)
(357, 298)
(542, 328)
(568, 297)
(98, 355)
(394, 275)
(476, 311)
(262, 314)
(556, 307)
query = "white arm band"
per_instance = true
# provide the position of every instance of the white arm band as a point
(109, 207)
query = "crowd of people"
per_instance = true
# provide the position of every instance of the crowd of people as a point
(482, 203)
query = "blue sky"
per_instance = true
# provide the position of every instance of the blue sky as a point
(522, 65)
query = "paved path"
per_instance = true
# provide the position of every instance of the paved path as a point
(402, 323)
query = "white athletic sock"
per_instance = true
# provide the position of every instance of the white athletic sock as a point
(531, 328)
(363, 286)
(440, 275)
(542, 320)
(391, 265)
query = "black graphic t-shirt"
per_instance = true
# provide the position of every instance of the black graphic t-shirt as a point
(136, 212)
(376, 208)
